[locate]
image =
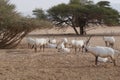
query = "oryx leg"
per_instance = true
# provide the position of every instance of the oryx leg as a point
(43, 47)
(35, 47)
(113, 60)
(96, 60)
(75, 50)
(111, 45)
(106, 43)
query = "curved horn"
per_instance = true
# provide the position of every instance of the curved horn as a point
(88, 40)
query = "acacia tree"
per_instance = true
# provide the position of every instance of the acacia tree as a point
(76, 14)
(13, 27)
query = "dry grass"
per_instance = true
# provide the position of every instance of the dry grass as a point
(24, 64)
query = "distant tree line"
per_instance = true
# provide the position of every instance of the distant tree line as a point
(78, 14)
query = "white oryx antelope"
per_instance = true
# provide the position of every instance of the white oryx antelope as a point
(61, 48)
(109, 41)
(37, 42)
(30, 41)
(65, 40)
(77, 44)
(100, 51)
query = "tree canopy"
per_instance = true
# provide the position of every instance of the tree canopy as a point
(77, 14)
(103, 4)
(40, 14)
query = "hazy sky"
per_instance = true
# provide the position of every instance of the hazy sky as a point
(25, 7)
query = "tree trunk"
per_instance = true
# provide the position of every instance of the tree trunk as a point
(81, 30)
(82, 23)
(75, 30)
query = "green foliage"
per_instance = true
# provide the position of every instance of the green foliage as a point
(103, 3)
(111, 16)
(94, 12)
(60, 9)
(40, 14)
(74, 2)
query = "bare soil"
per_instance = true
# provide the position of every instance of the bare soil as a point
(24, 64)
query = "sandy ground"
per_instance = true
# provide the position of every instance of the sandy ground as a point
(95, 30)
(25, 64)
